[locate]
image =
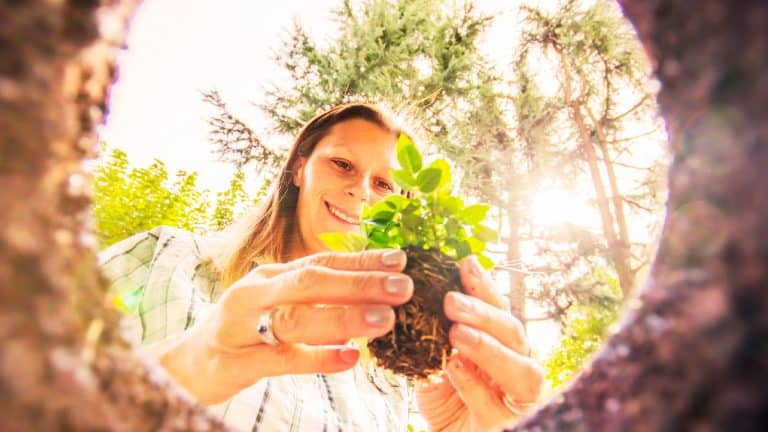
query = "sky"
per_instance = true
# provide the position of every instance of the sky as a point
(178, 48)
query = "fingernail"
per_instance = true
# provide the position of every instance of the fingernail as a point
(392, 258)
(474, 267)
(348, 355)
(400, 285)
(377, 315)
(465, 335)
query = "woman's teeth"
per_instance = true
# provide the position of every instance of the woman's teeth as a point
(339, 214)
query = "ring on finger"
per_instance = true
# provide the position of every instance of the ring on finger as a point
(266, 329)
(517, 408)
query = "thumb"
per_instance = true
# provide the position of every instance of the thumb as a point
(482, 401)
(478, 282)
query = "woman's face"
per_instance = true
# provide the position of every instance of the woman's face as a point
(350, 166)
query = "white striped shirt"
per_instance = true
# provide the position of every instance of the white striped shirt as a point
(162, 270)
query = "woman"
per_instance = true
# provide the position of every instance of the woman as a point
(260, 334)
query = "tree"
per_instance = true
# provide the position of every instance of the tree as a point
(599, 65)
(421, 58)
(585, 330)
(130, 200)
(691, 354)
(418, 56)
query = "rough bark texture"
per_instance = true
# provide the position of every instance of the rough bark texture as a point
(693, 351)
(61, 366)
(692, 355)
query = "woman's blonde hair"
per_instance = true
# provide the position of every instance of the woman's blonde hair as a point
(265, 234)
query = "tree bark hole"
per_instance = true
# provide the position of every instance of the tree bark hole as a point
(691, 354)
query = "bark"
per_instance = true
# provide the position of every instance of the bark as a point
(692, 353)
(61, 365)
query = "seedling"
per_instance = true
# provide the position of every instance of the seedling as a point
(437, 231)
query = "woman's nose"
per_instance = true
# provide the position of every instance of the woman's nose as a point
(360, 190)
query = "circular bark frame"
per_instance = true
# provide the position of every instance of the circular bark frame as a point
(692, 353)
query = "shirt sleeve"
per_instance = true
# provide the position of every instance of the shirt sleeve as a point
(126, 264)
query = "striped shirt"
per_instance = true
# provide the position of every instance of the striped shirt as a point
(161, 277)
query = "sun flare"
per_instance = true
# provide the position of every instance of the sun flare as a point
(552, 207)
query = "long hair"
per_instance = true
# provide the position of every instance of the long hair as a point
(266, 234)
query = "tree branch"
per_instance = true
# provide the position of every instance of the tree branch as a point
(629, 111)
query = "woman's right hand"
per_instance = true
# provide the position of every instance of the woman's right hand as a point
(320, 301)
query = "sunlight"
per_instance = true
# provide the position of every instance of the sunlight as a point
(553, 206)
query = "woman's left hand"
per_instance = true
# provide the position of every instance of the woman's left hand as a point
(492, 361)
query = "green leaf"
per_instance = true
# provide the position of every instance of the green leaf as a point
(396, 202)
(334, 241)
(383, 216)
(428, 180)
(486, 262)
(452, 227)
(484, 233)
(379, 207)
(404, 179)
(357, 242)
(476, 245)
(445, 172)
(379, 238)
(474, 214)
(407, 154)
(344, 242)
(462, 249)
(374, 223)
(449, 204)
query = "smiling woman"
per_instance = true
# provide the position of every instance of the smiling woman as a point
(245, 335)
(350, 167)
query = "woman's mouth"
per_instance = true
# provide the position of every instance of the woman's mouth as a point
(341, 215)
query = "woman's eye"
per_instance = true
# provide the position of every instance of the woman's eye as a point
(386, 186)
(346, 166)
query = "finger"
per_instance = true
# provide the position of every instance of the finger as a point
(327, 325)
(478, 283)
(322, 285)
(476, 313)
(293, 359)
(441, 401)
(378, 259)
(480, 398)
(519, 376)
(244, 368)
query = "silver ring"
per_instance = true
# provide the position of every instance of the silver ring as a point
(265, 329)
(517, 408)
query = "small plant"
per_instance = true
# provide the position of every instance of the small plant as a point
(437, 231)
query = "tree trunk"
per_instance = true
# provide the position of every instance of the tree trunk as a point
(617, 197)
(517, 292)
(618, 206)
(616, 251)
(693, 355)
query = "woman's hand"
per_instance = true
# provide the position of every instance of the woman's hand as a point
(492, 361)
(319, 302)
